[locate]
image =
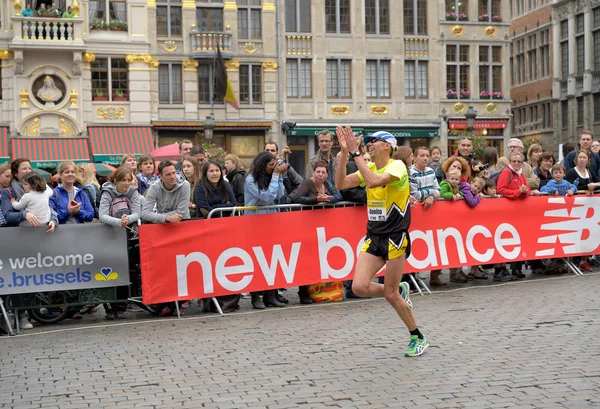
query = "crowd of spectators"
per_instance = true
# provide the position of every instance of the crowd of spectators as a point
(141, 190)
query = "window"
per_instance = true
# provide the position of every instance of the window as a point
(564, 29)
(512, 66)
(297, 16)
(415, 17)
(532, 62)
(339, 78)
(108, 10)
(596, 39)
(249, 19)
(489, 8)
(596, 107)
(490, 68)
(168, 18)
(170, 90)
(378, 79)
(299, 78)
(457, 69)
(545, 53)
(458, 7)
(564, 111)
(250, 84)
(337, 16)
(580, 111)
(210, 19)
(377, 17)
(205, 88)
(564, 49)
(579, 45)
(520, 59)
(415, 80)
(547, 116)
(110, 79)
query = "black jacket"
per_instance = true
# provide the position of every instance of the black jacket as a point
(204, 205)
(237, 180)
(356, 194)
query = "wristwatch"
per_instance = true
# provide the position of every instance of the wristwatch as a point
(355, 154)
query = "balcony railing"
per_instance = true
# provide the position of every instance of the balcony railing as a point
(416, 47)
(204, 43)
(298, 45)
(46, 31)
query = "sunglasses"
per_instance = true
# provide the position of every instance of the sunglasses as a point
(370, 139)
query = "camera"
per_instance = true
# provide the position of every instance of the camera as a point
(484, 167)
(287, 126)
(281, 162)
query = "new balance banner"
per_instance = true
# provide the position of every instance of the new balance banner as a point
(206, 258)
(73, 257)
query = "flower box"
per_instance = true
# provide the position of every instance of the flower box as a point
(451, 17)
(484, 95)
(450, 94)
(497, 19)
(484, 17)
(463, 17)
(497, 95)
(464, 94)
(97, 98)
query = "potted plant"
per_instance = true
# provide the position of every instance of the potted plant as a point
(497, 95)
(484, 17)
(99, 95)
(451, 94)
(484, 95)
(119, 95)
(116, 25)
(463, 17)
(497, 19)
(451, 16)
(97, 24)
(465, 94)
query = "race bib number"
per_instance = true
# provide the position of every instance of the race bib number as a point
(376, 209)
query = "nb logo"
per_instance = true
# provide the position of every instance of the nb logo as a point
(577, 230)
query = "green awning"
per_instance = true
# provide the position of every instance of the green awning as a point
(408, 133)
(3, 160)
(314, 131)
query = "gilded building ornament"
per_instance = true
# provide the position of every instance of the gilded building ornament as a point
(170, 46)
(490, 31)
(111, 113)
(151, 3)
(459, 107)
(18, 7)
(65, 128)
(270, 66)
(491, 108)
(232, 66)
(230, 5)
(340, 110)
(75, 7)
(268, 7)
(146, 58)
(249, 48)
(33, 129)
(458, 31)
(6, 55)
(379, 109)
(24, 97)
(73, 98)
(190, 65)
(88, 57)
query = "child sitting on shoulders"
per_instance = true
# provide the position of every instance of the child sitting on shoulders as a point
(472, 192)
(449, 189)
(36, 198)
(558, 185)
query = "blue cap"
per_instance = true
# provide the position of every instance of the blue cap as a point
(384, 136)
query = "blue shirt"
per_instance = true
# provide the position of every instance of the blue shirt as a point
(267, 197)
(27, 13)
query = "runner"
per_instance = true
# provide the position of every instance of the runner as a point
(387, 242)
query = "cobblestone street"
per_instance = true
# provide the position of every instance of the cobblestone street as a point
(533, 344)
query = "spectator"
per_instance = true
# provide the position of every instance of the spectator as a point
(36, 198)
(168, 200)
(585, 144)
(145, 175)
(566, 149)
(27, 11)
(185, 148)
(542, 171)
(42, 10)
(449, 189)
(454, 162)
(213, 191)
(436, 157)
(581, 176)
(85, 173)
(324, 154)
(264, 186)
(5, 176)
(291, 178)
(489, 189)
(405, 154)
(71, 203)
(199, 153)
(68, 13)
(490, 158)
(557, 185)
(356, 194)
(516, 145)
(533, 155)
(595, 147)
(472, 192)
(236, 177)
(120, 206)
(367, 158)
(191, 170)
(465, 151)
(130, 162)
(317, 189)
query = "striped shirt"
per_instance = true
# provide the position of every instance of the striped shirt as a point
(422, 184)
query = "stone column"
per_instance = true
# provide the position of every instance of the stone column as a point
(270, 96)
(190, 88)
(8, 90)
(556, 60)
(230, 21)
(188, 21)
(142, 70)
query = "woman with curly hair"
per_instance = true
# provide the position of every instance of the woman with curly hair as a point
(264, 187)
(454, 162)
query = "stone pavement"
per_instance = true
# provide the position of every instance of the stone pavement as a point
(533, 344)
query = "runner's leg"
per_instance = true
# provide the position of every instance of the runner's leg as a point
(393, 275)
(367, 266)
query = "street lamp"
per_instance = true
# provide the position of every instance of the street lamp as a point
(471, 114)
(208, 127)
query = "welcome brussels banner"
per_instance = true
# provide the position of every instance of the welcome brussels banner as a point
(207, 258)
(73, 257)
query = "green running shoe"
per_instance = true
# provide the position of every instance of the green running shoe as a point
(404, 290)
(416, 346)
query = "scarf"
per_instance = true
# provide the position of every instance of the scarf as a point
(17, 188)
(519, 172)
(145, 180)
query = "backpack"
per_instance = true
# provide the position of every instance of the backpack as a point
(119, 206)
(95, 203)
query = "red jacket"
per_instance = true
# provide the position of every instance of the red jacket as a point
(509, 183)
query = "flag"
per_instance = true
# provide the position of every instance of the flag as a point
(223, 88)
